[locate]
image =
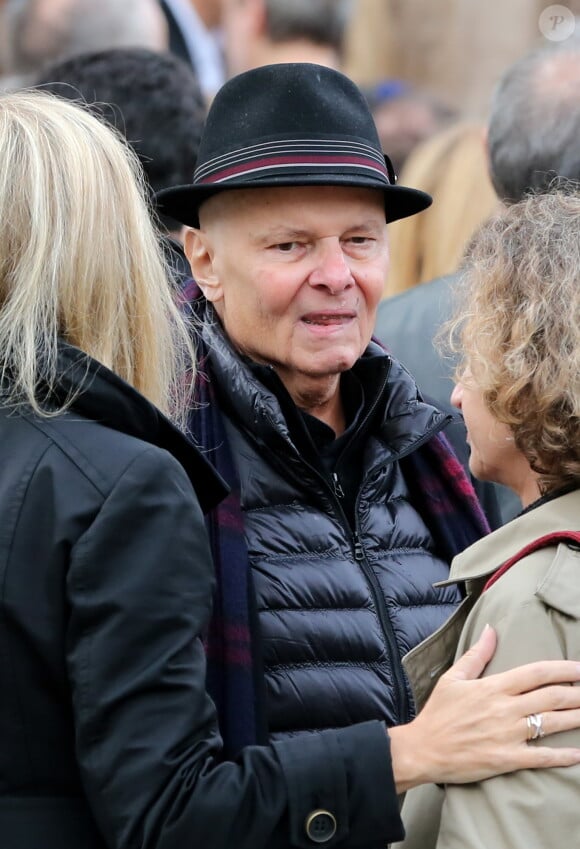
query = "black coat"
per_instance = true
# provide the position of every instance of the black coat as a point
(108, 739)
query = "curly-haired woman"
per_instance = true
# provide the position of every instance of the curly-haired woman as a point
(518, 387)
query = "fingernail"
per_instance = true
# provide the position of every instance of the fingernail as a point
(486, 628)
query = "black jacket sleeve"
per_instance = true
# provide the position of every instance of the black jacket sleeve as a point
(139, 588)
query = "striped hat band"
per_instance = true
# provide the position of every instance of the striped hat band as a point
(276, 158)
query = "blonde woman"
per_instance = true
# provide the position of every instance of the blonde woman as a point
(102, 531)
(518, 333)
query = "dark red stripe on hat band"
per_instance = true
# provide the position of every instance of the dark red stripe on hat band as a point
(273, 161)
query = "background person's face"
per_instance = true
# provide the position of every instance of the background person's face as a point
(296, 274)
(240, 25)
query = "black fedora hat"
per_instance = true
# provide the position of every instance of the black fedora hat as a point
(289, 125)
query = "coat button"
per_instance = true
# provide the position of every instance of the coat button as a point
(320, 826)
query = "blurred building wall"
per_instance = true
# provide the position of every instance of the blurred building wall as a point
(455, 48)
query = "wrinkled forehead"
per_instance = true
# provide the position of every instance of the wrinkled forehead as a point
(292, 202)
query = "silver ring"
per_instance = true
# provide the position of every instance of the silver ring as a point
(535, 727)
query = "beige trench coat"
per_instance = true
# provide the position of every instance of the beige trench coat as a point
(535, 609)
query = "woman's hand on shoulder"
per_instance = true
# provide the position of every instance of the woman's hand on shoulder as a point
(472, 728)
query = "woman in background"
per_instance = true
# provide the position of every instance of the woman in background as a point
(518, 334)
(452, 167)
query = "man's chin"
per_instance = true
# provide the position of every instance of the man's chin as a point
(329, 369)
(335, 361)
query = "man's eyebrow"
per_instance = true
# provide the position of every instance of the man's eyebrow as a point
(282, 234)
(367, 224)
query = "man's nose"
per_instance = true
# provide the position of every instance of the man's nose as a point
(331, 266)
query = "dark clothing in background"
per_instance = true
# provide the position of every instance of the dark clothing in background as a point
(177, 43)
(407, 325)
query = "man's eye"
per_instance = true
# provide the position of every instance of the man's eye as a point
(360, 240)
(286, 247)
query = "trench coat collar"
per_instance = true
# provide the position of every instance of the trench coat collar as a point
(487, 554)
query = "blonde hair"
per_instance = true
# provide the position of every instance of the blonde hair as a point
(517, 329)
(452, 167)
(79, 257)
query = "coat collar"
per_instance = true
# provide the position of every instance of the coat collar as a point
(109, 400)
(487, 554)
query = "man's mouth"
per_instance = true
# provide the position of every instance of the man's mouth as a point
(328, 318)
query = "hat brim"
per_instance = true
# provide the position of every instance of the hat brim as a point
(183, 202)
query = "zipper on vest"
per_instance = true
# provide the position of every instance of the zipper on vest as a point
(337, 486)
(401, 695)
(396, 665)
(359, 553)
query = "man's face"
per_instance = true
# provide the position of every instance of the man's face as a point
(295, 274)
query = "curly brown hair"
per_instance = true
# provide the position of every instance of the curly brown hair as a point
(517, 328)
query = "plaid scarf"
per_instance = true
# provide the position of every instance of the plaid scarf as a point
(439, 488)
(228, 642)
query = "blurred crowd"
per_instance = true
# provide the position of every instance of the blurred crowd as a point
(461, 110)
(428, 74)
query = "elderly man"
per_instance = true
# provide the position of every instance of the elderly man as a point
(346, 504)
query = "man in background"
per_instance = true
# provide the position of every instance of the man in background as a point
(195, 36)
(263, 32)
(405, 116)
(38, 32)
(155, 101)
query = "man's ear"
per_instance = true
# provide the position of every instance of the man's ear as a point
(200, 254)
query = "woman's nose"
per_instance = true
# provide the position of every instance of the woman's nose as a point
(457, 395)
